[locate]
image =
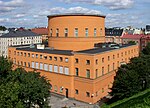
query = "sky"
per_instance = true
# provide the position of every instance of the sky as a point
(33, 13)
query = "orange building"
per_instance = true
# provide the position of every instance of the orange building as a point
(76, 62)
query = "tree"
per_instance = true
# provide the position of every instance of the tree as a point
(132, 42)
(3, 28)
(146, 50)
(132, 78)
(22, 89)
(5, 66)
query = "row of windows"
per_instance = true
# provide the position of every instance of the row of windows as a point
(75, 32)
(45, 57)
(46, 67)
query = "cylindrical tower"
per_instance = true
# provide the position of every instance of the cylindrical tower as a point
(75, 31)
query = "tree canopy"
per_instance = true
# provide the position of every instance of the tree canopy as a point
(22, 89)
(133, 77)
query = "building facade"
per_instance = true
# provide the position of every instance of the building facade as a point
(17, 38)
(41, 31)
(77, 62)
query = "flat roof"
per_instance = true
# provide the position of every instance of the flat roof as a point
(98, 50)
(75, 14)
(46, 50)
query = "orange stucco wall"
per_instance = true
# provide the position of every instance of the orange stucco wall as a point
(97, 86)
(71, 22)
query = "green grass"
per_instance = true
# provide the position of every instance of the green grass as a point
(140, 100)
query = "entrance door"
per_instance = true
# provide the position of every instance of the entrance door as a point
(66, 93)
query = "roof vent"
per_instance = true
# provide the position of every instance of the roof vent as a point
(40, 46)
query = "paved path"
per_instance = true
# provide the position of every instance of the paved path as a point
(60, 102)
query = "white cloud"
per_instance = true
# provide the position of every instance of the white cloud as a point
(111, 4)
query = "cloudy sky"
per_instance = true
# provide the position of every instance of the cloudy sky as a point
(33, 13)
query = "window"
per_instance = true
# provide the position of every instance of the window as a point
(102, 90)
(76, 91)
(32, 55)
(113, 56)
(118, 55)
(41, 66)
(87, 94)
(102, 70)
(24, 64)
(102, 60)
(50, 57)
(14, 52)
(101, 31)
(45, 67)
(96, 61)
(96, 73)
(28, 54)
(60, 69)
(76, 32)
(66, 60)
(29, 64)
(87, 73)
(76, 60)
(55, 68)
(21, 53)
(66, 70)
(94, 32)
(55, 58)
(32, 64)
(45, 57)
(77, 71)
(87, 62)
(36, 55)
(55, 88)
(108, 58)
(18, 53)
(51, 32)
(61, 59)
(57, 32)
(61, 89)
(24, 54)
(108, 68)
(50, 68)
(40, 56)
(66, 32)
(122, 54)
(118, 63)
(86, 32)
(37, 65)
(113, 66)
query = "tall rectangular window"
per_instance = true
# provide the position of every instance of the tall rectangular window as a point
(94, 32)
(45, 67)
(51, 32)
(55, 68)
(41, 66)
(76, 32)
(32, 64)
(77, 71)
(50, 68)
(66, 32)
(87, 73)
(108, 68)
(60, 69)
(66, 70)
(86, 32)
(57, 32)
(37, 65)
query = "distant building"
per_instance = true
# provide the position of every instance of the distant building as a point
(144, 41)
(17, 38)
(147, 30)
(113, 34)
(132, 31)
(41, 31)
(3, 32)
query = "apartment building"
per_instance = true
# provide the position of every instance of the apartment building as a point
(78, 62)
(21, 37)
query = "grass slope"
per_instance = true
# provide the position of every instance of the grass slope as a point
(140, 100)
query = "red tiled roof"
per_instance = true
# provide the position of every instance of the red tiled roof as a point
(146, 37)
(41, 31)
(128, 36)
